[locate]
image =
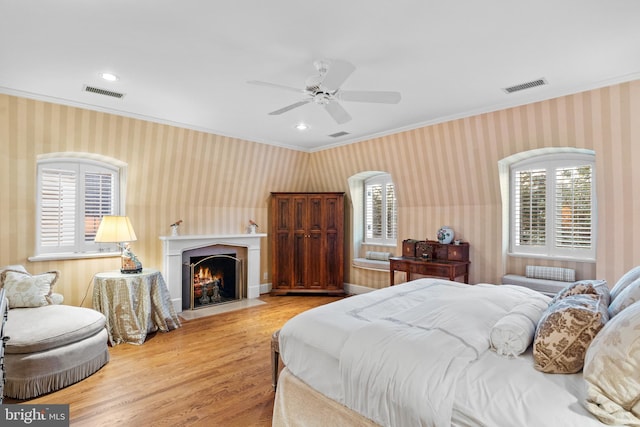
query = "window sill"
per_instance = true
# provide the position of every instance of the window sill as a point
(65, 256)
(386, 245)
(549, 257)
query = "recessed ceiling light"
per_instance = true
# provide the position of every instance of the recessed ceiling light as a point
(110, 77)
(302, 126)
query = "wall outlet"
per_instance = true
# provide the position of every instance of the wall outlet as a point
(265, 275)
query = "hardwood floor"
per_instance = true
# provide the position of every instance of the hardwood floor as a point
(214, 371)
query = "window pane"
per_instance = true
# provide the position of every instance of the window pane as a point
(530, 210)
(573, 207)
(98, 202)
(373, 211)
(392, 232)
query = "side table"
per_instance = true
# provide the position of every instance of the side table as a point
(134, 305)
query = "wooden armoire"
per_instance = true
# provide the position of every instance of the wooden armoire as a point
(307, 234)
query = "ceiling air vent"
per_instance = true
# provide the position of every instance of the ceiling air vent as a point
(339, 134)
(523, 86)
(103, 91)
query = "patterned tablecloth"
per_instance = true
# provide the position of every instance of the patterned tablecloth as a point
(134, 304)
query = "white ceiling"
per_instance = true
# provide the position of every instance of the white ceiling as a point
(187, 62)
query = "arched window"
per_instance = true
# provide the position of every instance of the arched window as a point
(380, 210)
(75, 191)
(553, 205)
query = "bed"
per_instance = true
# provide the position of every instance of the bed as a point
(423, 354)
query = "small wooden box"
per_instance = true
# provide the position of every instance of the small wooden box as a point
(458, 252)
(409, 248)
(424, 249)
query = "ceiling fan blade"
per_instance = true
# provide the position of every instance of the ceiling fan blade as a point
(290, 107)
(382, 97)
(337, 72)
(259, 83)
(338, 113)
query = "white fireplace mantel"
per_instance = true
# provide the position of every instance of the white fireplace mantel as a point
(174, 246)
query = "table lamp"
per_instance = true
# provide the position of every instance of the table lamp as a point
(118, 229)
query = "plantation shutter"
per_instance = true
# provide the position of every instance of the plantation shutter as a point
(73, 196)
(530, 207)
(392, 219)
(573, 207)
(380, 211)
(373, 211)
(58, 208)
(98, 201)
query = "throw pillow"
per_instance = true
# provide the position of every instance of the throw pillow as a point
(628, 278)
(550, 273)
(565, 331)
(596, 288)
(612, 370)
(24, 290)
(625, 298)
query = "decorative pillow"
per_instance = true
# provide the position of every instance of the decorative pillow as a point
(625, 298)
(550, 273)
(628, 278)
(596, 288)
(612, 370)
(13, 267)
(378, 256)
(565, 331)
(24, 290)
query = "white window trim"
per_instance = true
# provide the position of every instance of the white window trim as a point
(84, 160)
(565, 155)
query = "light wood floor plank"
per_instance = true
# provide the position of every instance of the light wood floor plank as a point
(214, 371)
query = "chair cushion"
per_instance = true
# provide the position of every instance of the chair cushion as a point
(42, 328)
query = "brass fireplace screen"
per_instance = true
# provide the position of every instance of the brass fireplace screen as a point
(216, 279)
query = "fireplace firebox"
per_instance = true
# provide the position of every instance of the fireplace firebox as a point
(215, 279)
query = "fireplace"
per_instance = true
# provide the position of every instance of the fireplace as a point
(214, 279)
(176, 265)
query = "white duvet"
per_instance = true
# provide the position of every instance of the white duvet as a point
(398, 355)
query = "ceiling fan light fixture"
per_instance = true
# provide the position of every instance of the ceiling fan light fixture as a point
(302, 126)
(110, 77)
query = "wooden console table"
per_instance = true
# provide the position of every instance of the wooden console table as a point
(438, 268)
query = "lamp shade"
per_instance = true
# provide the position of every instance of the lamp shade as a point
(115, 229)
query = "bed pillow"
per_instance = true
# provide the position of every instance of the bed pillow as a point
(612, 370)
(625, 298)
(565, 331)
(24, 290)
(513, 333)
(628, 278)
(596, 288)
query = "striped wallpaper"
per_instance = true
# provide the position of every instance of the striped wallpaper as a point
(445, 174)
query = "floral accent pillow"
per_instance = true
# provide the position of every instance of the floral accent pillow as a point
(596, 288)
(24, 290)
(565, 331)
(625, 298)
(628, 278)
(612, 370)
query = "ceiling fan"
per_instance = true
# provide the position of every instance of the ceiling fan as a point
(324, 89)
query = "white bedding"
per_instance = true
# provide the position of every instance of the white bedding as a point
(418, 354)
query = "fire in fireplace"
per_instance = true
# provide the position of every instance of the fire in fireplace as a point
(215, 279)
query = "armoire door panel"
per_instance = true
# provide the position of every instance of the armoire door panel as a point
(315, 213)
